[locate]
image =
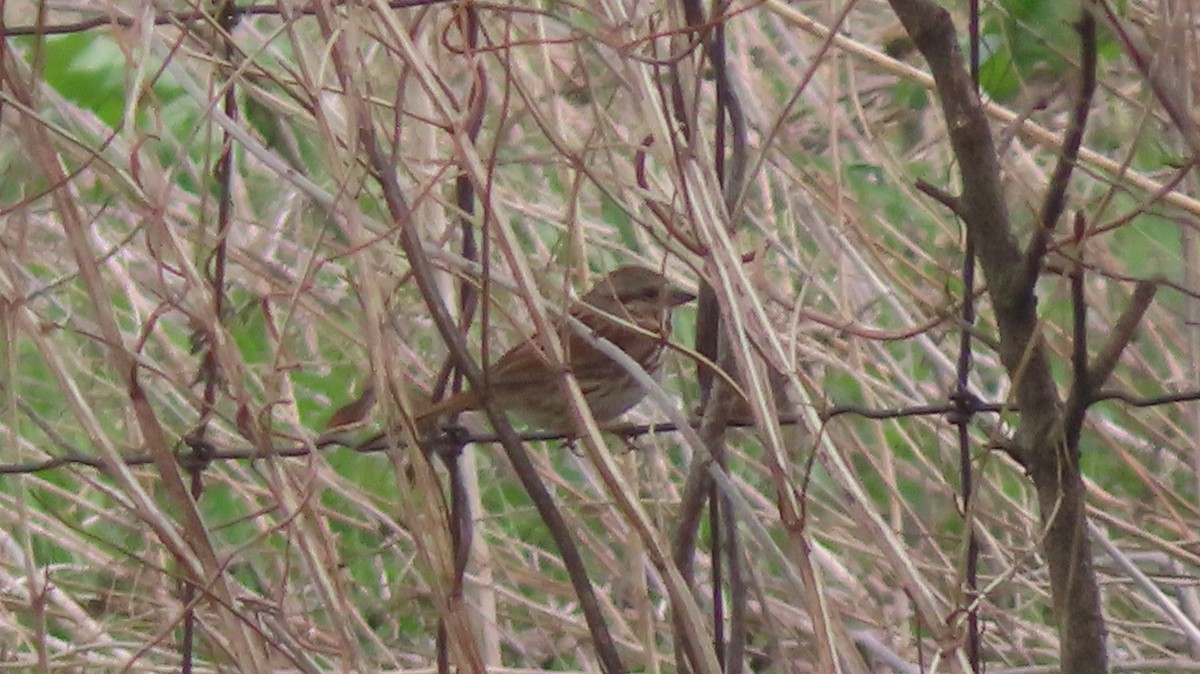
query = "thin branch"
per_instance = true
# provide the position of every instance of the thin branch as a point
(1056, 192)
(1122, 333)
(941, 196)
(1076, 406)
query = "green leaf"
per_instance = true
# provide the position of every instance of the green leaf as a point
(89, 70)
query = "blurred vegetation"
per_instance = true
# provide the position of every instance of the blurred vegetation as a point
(856, 273)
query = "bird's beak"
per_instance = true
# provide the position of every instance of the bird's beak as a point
(678, 296)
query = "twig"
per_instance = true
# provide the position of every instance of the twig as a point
(1080, 385)
(1056, 192)
(1121, 333)
(941, 196)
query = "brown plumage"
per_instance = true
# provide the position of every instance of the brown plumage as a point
(525, 381)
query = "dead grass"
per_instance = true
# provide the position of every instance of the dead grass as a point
(339, 561)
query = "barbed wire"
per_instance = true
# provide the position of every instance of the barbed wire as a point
(457, 436)
(103, 19)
